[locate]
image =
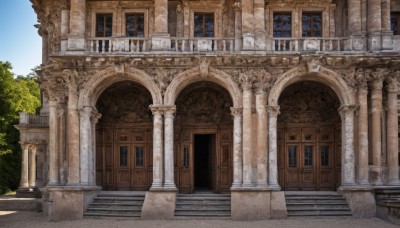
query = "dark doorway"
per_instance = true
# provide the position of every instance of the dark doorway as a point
(203, 162)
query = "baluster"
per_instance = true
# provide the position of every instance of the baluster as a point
(330, 45)
(296, 45)
(338, 45)
(92, 43)
(191, 45)
(102, 45)
(231, 45)
(137, 43)
(279, 45)
(144, 46)
(223, 45)
(183, 45)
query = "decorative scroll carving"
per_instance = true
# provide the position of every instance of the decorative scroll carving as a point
(377, 77)
(313, 66)
(163, 77)
(204, 103)
(361, 78)
(125, 102)
(264, 81)
(393, 82)
(53, 87)
(308, 102)
(203, 67)
(246, 79)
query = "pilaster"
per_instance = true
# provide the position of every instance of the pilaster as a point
(237, 147)
(273, 112)
(169, 113)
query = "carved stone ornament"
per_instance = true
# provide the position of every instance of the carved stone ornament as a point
(204, 67)
(204, 103)
(377, 77)
(313, 66)
(308, 102)
(74, 79)
(393, 82)
(246, 79)
(361, 78)
(163, 77)
(52, 86)
(125, 102)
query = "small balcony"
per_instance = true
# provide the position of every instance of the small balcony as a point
(26, 119)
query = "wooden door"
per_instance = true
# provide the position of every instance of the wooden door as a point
(224, 162)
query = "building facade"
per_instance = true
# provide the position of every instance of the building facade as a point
(250, 97)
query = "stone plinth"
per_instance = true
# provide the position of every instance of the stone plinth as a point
(257, 204)
(361, 201)
(160, 42)
(159, 205)
(69, 203)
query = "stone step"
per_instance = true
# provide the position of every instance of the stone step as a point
(319, 213)
(95, 214)
(203, 206)
(133, 203)
(290, 208)
(203, 214)
(19, 204)
(118, 198)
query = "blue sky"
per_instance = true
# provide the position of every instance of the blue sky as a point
(20, 43)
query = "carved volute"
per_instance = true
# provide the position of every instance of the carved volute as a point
(125, 102)
(204, 102)
(308, 102)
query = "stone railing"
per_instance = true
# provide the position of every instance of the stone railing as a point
(203, 44)
(113, 45)
(396, 42)
(331, 44)
(34, 120)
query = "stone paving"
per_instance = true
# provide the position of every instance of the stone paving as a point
(33, 220)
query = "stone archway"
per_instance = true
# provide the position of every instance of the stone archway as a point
(309, 138)
(124, 138)
(203, 139)
(346, 96)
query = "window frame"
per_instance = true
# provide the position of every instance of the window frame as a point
(395, 13)
(135, 23)
(204, 27)
(282, 13)
(105, 22)
(310, 13)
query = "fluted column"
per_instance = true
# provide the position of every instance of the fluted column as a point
(238, 26)
(237, 147)
(160, 38)
(363, 168)
(247, 24)
(169, 113)
(61, 145)
(157, 147)
(259, 27)
(24, 183)
(73, 134)
(385, 15)
(247, 137)
(393, 130)
(273, 112)
(374, 16)
(77, 25)
(262, 148)
(53, 145)
(32, 167)
(85, 144)
(354, 12)
(348, 157)
(376, 132)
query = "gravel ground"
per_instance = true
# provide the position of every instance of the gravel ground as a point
(33, 220)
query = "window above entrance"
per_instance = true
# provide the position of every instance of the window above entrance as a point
(203, 25)
(104, 24)
(135, 25)
(312, 24)
(282, 24)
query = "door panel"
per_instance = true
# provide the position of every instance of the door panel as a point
(292, 167)
(308, 167)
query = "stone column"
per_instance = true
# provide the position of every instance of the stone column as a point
(160, 38)
(262, 149)
(73, 135)
(237, 147)
(376, 131)
(53, 145)
(387, 34)
(374, 24)
(273, 112)
(157, 147)
(354, 12)
(169, 113)
(393, 130)
(363, 168)
(85, 144)
(247, 135)
(62, 171)
(64, 30)
(32, 167)
(248, 24)
(348, 158)
(24, 183)
(259, 27)
(77, 26)
(238, 26)
(92, 156)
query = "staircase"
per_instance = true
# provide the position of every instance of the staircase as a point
(311, 204)
(116, 204)
(203, 206)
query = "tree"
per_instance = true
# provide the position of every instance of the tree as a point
(20, 94)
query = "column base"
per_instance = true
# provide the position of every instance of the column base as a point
(394, 183)
(275, 187)
(76, 44)
(361, 200)
(247, 185)
(248, 42)
(375, 41)
(358, 43)
(387, 43)
(170, 186)
(159, 205)
(262, 185)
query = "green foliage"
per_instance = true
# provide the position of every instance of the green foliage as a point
(20, 94)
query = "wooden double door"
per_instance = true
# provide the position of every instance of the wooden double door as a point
(203, 159)
(124, 157)
(309, 158)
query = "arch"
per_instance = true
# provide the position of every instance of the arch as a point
(103, 79)
(193, 75)
(325, 76)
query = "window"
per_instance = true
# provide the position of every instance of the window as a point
(282, 25)
(204, 25)
(312, 25)
(395, 22)
(135, 25)
(139, 156)
(123, 156)
(308, 155)
(292, 152)
(104, 25)
(186, 157)
(324, 155)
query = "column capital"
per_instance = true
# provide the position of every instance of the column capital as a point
(393, 82)
(157, 109)
(246, 80)
(273, 110)
(347, 109)
(95, 116)
(85, 112)
(236, 111)
(377, 77)
(169, 111)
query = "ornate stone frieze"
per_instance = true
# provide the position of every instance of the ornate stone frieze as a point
(52, 86)
(377, 77)
(307, 102)
(393, 82)
(204, 103)
(74, 79)
(263, 82)
(163, 77)
(246, 79)
(313, 66)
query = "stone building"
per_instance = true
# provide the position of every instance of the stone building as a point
(251, 98)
